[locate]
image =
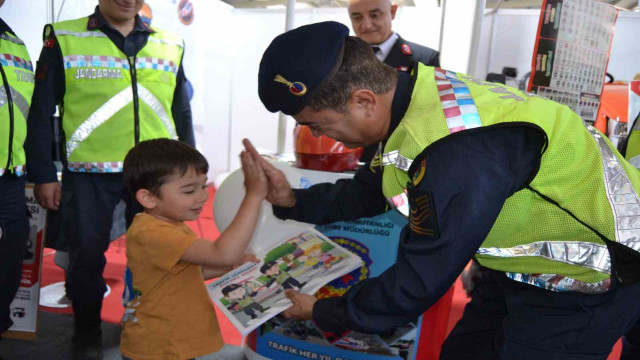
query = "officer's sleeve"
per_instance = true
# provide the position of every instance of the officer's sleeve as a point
(435, 59)
(347, 199)
(181, 109)
(462, 183)
(47, 93)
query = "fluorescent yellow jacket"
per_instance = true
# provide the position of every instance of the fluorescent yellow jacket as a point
(112, 101)
(15, 100)
(532, 240)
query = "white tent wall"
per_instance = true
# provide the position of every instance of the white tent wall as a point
(27, 19)
(513, 40)
(223, 47)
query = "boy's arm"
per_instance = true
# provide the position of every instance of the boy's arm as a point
(210, 272)
(228, 249)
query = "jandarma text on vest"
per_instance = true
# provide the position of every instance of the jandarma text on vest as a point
(93, 73)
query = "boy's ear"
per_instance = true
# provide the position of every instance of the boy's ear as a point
(146, 198)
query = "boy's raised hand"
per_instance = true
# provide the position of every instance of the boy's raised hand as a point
(255, 180)
(280, 192)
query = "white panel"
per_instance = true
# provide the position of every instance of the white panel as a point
(456, 43)
(15, 12)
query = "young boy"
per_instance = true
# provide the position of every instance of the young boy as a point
(169, 314)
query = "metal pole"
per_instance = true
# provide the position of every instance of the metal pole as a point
(52, 11)
(475, 37)
(282, 118)
(444, 10)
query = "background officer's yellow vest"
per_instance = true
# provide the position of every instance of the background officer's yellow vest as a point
(580, 170)
(15, 99)
(111, 102)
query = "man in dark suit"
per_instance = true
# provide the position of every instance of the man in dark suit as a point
(371, 21)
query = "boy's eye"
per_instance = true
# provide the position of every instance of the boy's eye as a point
(188, 192)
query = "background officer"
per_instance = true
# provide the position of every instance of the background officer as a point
(489, 177)
(371, 20)
(118, 82)
(15, 97)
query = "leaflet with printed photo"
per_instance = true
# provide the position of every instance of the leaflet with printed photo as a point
(304, 261)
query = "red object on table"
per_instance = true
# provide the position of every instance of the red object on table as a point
(323, 153)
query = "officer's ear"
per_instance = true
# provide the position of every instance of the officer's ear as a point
(364, 99)
(394, 8)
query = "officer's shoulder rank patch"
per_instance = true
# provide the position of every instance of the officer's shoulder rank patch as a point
(422, 215)
(419, 174)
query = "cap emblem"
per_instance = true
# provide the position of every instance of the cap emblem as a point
(296, 88)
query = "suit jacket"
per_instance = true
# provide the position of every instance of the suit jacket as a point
(404, 53)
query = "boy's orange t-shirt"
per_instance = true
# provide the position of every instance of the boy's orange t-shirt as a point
(171, 316)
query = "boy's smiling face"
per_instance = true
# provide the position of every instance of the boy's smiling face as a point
(180, 198)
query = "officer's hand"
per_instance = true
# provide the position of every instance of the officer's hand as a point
(302, 308)
(255, 180)
(280, 192)
(48, 195)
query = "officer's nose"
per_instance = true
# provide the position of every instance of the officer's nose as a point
(366, 22)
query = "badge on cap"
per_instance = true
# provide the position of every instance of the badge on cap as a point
(296, 88)
(406, 49)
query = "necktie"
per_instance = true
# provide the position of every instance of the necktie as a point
(376, 50)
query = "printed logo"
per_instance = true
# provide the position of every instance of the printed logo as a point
(418, 175)
(406, 49)
(340, 285)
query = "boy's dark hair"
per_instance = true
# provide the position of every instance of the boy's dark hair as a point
(151, 162)
(266, 266)
(360, 69)
(229, 288)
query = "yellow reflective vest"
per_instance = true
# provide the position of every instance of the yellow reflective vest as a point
(112, 101)
(15, 100)
(532, 240)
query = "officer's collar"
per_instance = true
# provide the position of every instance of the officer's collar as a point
(4, 28)
(401, 98)
(97, 21)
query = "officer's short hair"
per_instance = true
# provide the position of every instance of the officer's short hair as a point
(151, 162)
(360, 69)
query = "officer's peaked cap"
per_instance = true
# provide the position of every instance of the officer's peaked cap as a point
(297, 62)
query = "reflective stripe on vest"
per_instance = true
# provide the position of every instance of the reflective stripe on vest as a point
(112, 106)
(14, 40)
(22, 104)
(104, 87)
(623, 201)
(16, 89)
(625, 206)
(18, 100)
(460, 112)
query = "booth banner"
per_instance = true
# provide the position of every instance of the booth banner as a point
(375, 240)
(24, 308)
(572, 52)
